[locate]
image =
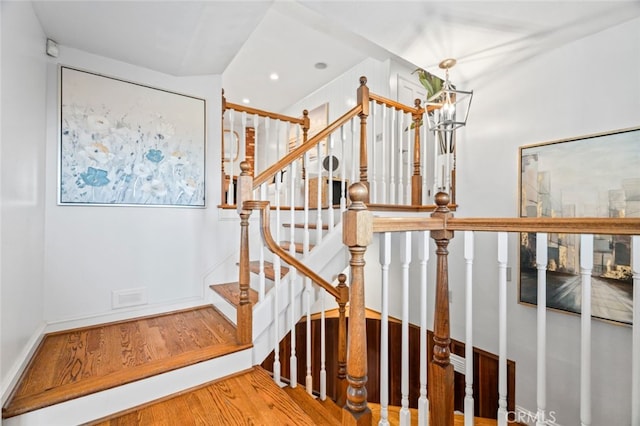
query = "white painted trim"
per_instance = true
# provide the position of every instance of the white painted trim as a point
(13, 375)
(123, 314)
(101, 404)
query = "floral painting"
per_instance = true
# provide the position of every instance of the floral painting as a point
(125, 143)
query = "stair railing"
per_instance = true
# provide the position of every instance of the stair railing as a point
(359, 230)
(343, 138)
(340, 292)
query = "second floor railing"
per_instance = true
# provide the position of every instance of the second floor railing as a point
(436, 396)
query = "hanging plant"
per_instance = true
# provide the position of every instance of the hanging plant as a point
(432, 85)
(430, 82)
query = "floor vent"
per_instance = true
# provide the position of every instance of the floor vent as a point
(129, 297)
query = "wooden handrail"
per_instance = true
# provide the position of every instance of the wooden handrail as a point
(262, 113)
(268, 174)
(565, 225)
(341, 295)
(394, 104)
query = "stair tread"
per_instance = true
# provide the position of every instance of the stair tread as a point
(250, 397)
(312, 407)
(231, 293)
(325, 227)
(74, 363)
(299, 247)
(269, 272)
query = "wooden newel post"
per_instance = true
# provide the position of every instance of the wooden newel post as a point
(341, 398)
(416, 179)
(441, 378)
(306, 125)
(244, 309)
(357, 235)
(363, 99)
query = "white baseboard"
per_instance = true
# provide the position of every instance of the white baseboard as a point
(123, 314)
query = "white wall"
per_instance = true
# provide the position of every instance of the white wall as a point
(591, 85)
(22, 177)
(92, 251)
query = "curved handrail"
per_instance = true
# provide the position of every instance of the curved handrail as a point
(268, 174)
(263, 206)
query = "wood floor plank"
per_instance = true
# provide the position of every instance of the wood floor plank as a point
(250, 398)
(78, 362)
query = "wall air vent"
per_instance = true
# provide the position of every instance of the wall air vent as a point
(128, 297)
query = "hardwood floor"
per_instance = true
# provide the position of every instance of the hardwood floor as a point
(250, 398)
(78, 362)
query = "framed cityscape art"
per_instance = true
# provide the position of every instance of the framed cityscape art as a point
(123, 143)
(592, 176)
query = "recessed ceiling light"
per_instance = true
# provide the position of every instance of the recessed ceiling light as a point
(274, 76)
(320, 65)
(245, 100)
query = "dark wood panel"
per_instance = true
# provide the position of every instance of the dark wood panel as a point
(485, 386)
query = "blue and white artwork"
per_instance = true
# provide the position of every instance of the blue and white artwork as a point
(125, 143)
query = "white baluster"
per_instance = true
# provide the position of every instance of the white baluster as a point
(586, 265)
(319, 197)
(385, 260)
(231, 196)
(469, 413)
(392, 157)
(635, 352)
(261, 275)
(400, 132)
(330, 183)
(383, 166)
(242, 150)
(343, 177)
(307, 281)
(541, 385)
(355, 152)
(293, 360)
(409, 160)
(323, 348)
(292, 210)
(423, 160)
(502, 308)
(423, 402)
(276, 287)
(373, 174)
(305, 236)
(405, 259)
(256, 124)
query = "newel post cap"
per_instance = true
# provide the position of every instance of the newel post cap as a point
(357, 221)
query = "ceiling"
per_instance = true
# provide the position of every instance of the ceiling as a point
(246, 41)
